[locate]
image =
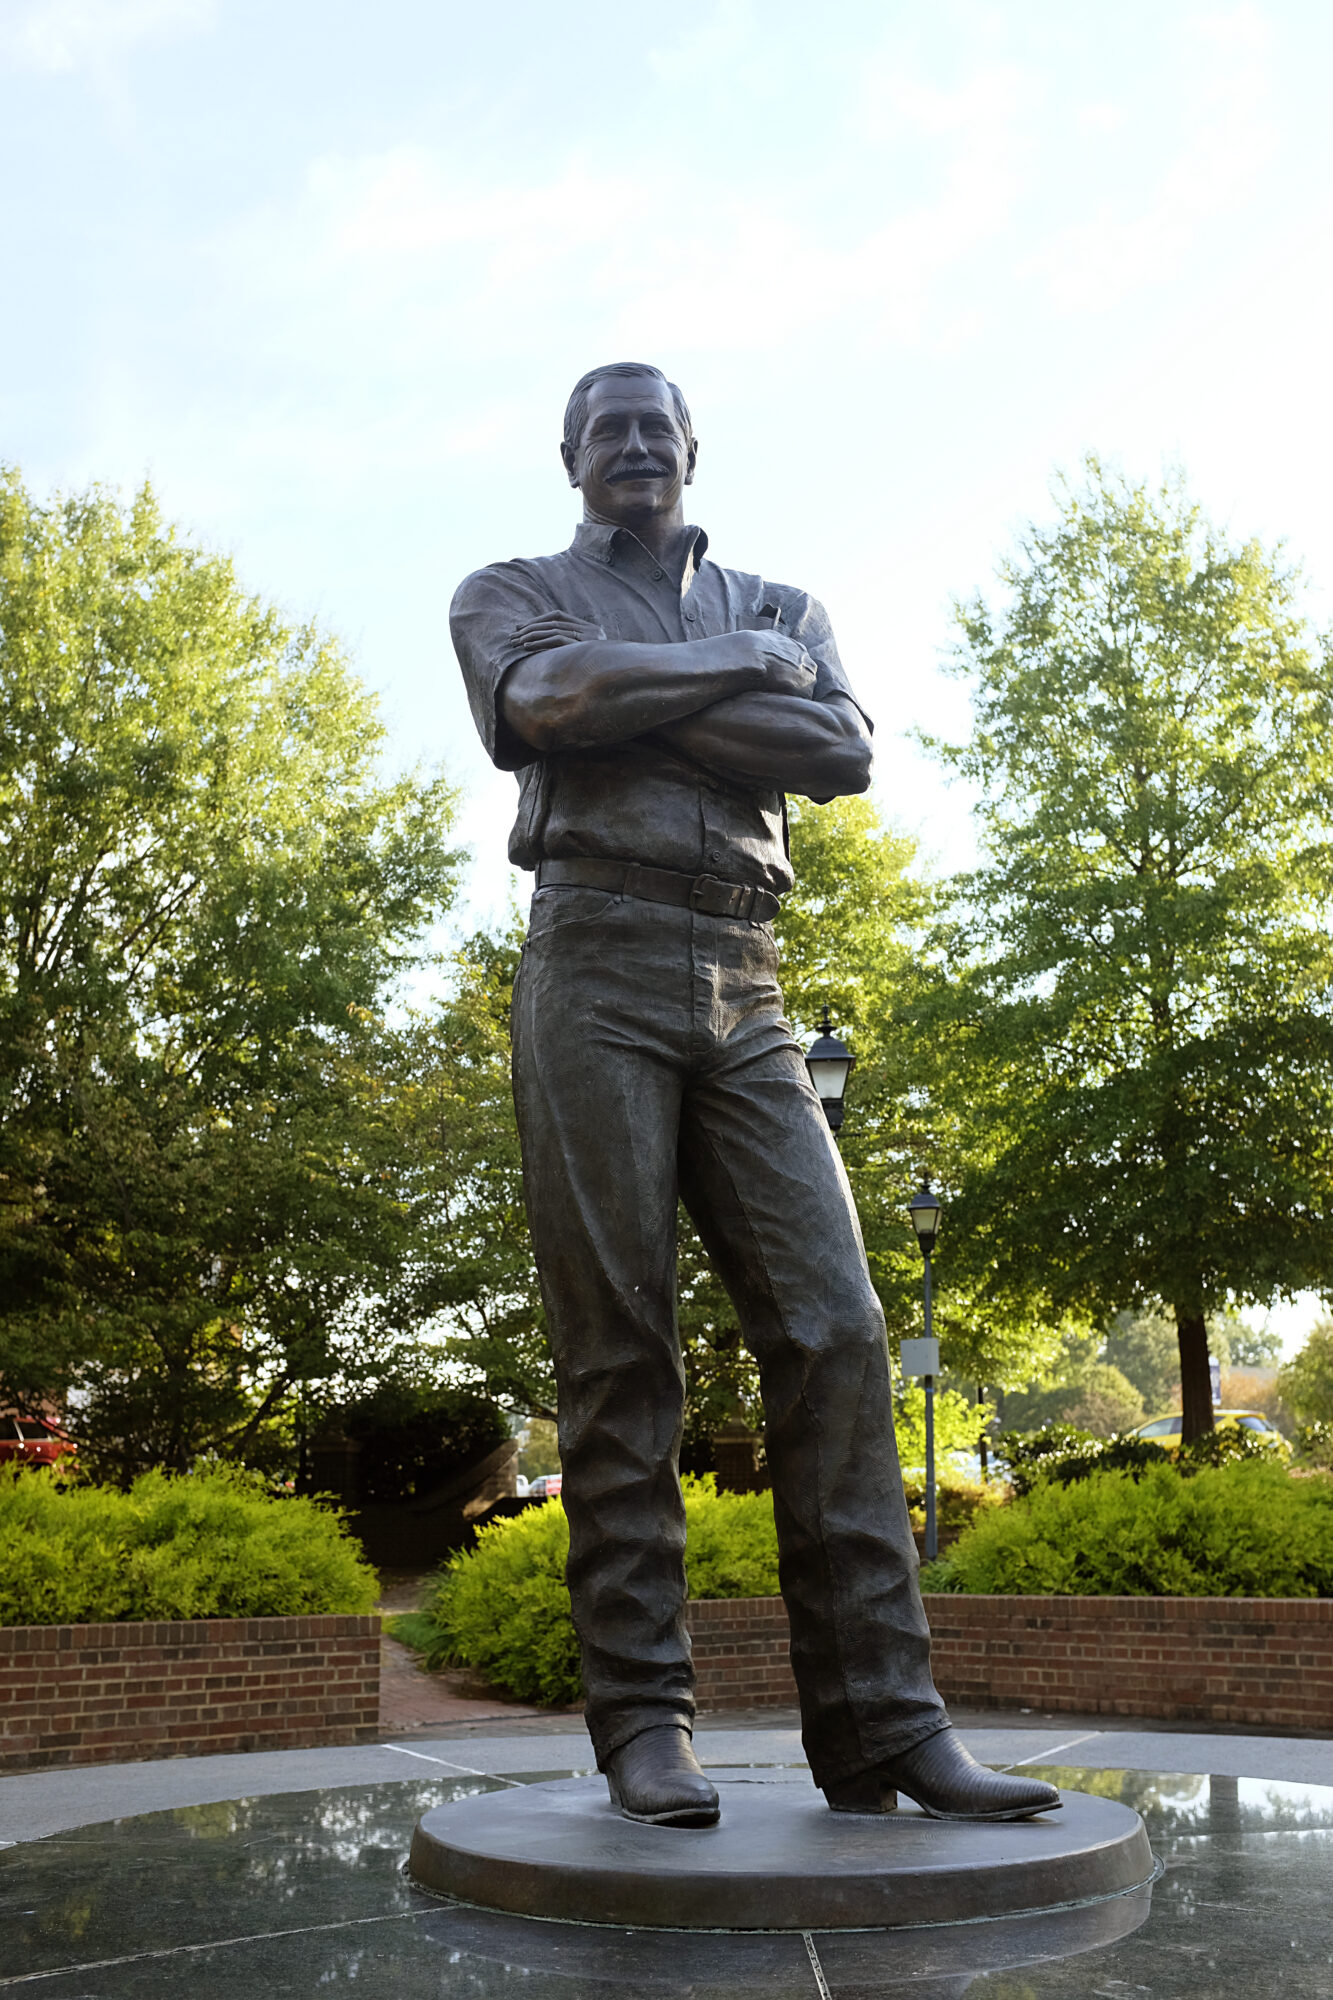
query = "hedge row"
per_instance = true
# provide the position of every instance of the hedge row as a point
(1243, 1529)
(210, 1544)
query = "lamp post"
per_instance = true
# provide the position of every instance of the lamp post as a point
(830, 1063)
(922, 1357)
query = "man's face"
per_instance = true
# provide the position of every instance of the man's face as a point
(633, 458)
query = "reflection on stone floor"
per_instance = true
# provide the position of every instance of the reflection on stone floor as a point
(302, 1893)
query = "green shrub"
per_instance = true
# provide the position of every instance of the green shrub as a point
(731, 1542)
(939, 1575)
(1227, 1446)
(502, 1608)
(957, 1501)
(1247, 1529)
(1027, 1455)
(1314, 1443)
(209, 1544)
(1062, 1453)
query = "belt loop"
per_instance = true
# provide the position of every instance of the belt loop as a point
(630, 886)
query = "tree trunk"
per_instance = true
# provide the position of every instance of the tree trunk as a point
(1196, 1384)
(982, 1451)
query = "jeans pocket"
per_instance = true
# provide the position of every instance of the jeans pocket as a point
(559, 907)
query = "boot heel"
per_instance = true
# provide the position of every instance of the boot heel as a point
(863, 1794)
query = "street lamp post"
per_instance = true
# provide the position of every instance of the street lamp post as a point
(922, 1357)
(830, 1063)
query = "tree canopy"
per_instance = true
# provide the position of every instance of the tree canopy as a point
(1133, 1004)
(207, 890)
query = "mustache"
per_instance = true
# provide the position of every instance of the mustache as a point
(646, 468)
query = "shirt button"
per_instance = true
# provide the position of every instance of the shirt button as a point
(658, 574)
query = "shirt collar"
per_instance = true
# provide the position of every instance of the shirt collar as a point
(600, 542)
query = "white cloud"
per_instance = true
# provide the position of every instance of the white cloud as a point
(56, 35)
(1227, 135)
(410, 243)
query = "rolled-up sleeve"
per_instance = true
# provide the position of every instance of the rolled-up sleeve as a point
(488, 608)
(805, 619)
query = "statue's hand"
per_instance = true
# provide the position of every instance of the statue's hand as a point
(786, 666)
(555, 628)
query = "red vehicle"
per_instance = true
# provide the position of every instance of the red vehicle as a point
(31, 1441)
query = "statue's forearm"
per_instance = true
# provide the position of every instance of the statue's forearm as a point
(584, 695)
(818, 748)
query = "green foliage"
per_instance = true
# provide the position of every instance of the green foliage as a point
(1095, 1397)
(1306, 1383)
(1247, 1346)
(1144, 1347)
(206, 890)
(1314, 1443)
(1131, 1026)
(415, 1437)
(502, 1608)
(210, 1544)
(539, 1454)
(1225, 1446)
(959, 1423)
(1240, 1530)
(731, 1543)
(1063, 1453)
(1027, 1455)
(852, 933)
(957, 1501)
(474, 1274)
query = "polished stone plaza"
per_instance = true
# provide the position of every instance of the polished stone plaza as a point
(294, 1889)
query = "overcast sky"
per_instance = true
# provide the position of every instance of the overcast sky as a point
(326, 272)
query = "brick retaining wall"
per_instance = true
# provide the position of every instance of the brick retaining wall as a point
(1264, 1660)
(94, 1694)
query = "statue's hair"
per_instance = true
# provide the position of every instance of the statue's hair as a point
(576, 409)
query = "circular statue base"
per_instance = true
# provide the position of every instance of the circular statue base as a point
(778, 1861)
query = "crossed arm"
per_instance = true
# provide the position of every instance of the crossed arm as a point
(741, 704)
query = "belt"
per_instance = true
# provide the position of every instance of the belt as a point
(705, 893)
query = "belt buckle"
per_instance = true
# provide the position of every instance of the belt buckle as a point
(716, 898)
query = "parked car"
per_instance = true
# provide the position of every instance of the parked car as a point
(1166, 1430)
(546, 1487)
(32, 1441)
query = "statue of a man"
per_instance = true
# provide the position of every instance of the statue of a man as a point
(656, 708)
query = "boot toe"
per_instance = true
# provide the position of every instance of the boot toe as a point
(946, 1781)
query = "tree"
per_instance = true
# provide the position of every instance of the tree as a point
(1251, 1347)
(472, 1277)
(1306, 1383)
(206, 892)
(1138, 1009)
(1144, 1347)
(1096, 1398)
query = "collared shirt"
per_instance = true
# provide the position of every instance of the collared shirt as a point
(638, 800)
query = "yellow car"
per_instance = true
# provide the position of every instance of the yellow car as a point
(1166, 1430)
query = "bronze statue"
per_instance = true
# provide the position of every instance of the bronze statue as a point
(656, 708)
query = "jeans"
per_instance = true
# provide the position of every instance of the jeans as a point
(651, 1061)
